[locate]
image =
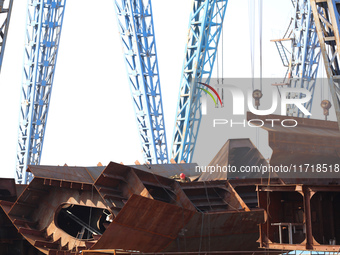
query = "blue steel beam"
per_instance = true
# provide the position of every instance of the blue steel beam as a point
(205, 28)
(304, 57)
(135, 23)
(5, 16)
(305, 54)
(43, 30)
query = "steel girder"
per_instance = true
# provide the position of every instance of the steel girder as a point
(5, 16)
(304, 57)
(327, 22)
(43, 30)
(135, 22)
(205, 28)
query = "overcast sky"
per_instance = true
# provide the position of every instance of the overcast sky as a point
(91, 116)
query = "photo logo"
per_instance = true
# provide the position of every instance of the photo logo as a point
(238, 100)
(213, 90)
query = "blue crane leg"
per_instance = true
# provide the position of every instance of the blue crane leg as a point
(205, 28)
(43, 30)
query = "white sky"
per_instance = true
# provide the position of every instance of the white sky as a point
(91, 117)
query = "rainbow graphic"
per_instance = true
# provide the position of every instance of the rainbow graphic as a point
(209, 93)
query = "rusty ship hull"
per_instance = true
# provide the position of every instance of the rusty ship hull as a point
(144, 209)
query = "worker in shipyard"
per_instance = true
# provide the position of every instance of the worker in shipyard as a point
(181, 177)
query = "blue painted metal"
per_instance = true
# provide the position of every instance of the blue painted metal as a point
(135, 22)
(43, 30)
(205, 28)
(304, 57)
(305, 54)
(5, 16)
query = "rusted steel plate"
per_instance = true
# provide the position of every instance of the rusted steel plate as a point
(20, 188)
(35, 213)
(8, 190)
(113, 173)
(213, 196)
(310, 142)
(237, 153)
(77, 174)
(141, 221)
(144, 225)
(168, 170)
(223, 231)
(257, 252)
(254, 181)
(311, 219)
(11, 241)
(118, 182)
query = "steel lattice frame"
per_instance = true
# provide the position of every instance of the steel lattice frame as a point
(136, 29)
(305, 54)
(205, 28)
(43, 30)
(5, 16)
(304, 57)
(327, 24)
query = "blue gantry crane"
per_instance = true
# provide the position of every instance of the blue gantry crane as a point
(138, 40)
(43, 30)
(5, 17)
(205, 27)
(135, 21)
(303, 59)
(136, 29)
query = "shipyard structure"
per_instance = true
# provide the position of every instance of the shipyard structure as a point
(176, 209)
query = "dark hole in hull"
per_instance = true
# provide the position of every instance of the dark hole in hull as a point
(82, 222)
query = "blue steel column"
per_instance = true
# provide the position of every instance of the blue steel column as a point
(205, 28)
(305, 55)
(43, 29)
(5, 16)
(136, 29)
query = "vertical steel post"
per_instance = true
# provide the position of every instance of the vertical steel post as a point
(308, 218)
(136, 28)
(5, 17)
(43, 30)
(205, 28)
